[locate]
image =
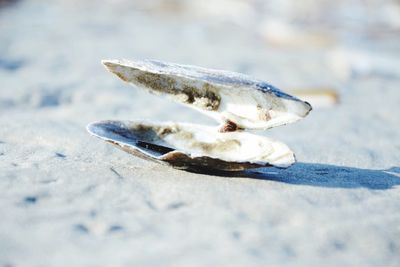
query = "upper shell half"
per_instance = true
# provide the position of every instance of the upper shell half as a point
(223, 95)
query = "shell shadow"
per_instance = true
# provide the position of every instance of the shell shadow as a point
(322, 175)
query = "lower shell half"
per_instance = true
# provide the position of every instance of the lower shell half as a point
(194, 147)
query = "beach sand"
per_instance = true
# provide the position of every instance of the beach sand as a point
(69, 199)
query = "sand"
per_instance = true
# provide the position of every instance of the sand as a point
(68, 199)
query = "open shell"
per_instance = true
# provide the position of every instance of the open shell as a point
(236, 101)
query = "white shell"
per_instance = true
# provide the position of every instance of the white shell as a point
(166, 141)
(235, 100)
(223, 95)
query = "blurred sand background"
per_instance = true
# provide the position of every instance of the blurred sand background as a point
(68, 199)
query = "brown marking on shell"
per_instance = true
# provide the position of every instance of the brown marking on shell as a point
(144, 132)
(163, 131)
(141, 127)
(122, 77)
(204, 98)
(157, 82)
(213, 98)
(182, 161)
(228, 126)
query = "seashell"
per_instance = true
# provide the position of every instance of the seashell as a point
(236, 101)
